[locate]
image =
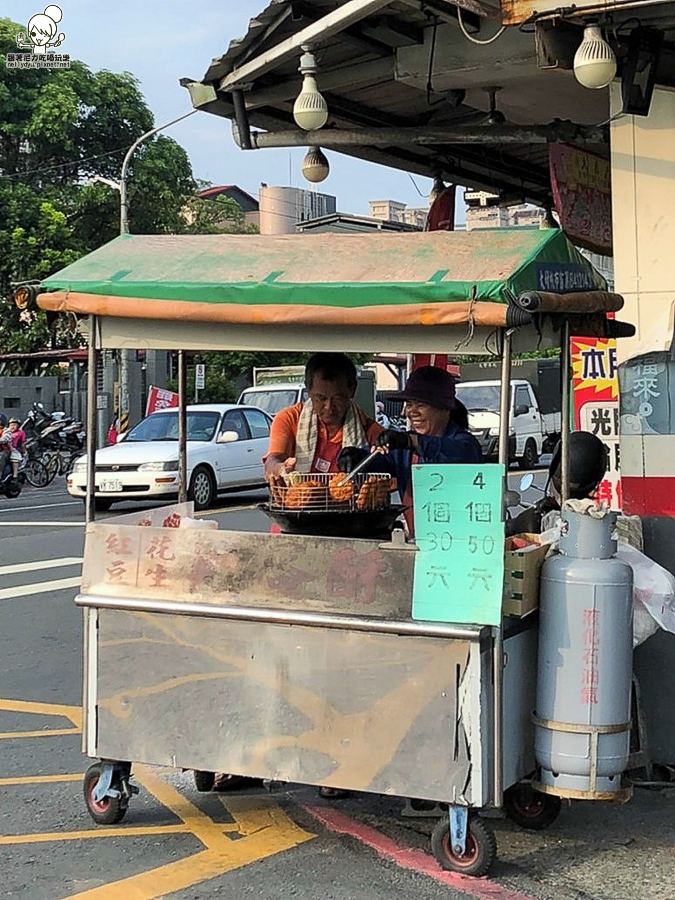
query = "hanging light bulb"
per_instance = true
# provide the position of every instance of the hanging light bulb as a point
(437, 189)
(310, 110)
(315, 166)
(594, 61)
(548, 220)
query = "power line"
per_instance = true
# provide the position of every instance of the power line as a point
(66, 164)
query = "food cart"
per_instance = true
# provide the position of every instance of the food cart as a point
(300, 657)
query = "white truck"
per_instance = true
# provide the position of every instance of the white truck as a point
(277, 387)
(531, 432)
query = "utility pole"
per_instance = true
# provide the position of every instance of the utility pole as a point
(124, 357)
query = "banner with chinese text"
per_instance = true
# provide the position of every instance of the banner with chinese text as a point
(582, 192)
(160, 398)
(596, 404)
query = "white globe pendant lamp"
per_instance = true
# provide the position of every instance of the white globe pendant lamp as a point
(315, 166)
(310, 110)
(594, 61)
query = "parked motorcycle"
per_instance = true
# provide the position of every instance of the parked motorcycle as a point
(588, 464)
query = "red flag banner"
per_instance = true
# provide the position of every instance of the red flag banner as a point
(159, 398)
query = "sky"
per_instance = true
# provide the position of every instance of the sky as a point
(161, 42)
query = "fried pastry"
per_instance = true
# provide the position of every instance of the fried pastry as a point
(298, 495)
(340, 493)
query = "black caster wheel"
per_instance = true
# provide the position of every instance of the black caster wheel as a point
(204, 781)
(224, 782)
(109, 810)
(479, 854)
(530, 808)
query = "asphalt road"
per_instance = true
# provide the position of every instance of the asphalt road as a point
(176, 843)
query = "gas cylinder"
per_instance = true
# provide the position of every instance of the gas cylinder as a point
(582, 715)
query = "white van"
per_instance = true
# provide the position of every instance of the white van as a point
(271, 395)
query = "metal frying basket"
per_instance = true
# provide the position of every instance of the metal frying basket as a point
(322, 492)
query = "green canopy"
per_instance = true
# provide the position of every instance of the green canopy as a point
(431, 278)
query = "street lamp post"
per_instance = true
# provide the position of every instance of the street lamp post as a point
(124, 205)
(124, 355)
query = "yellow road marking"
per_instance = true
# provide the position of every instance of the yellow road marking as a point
(225, 509)
(96, 833)
(264, 827)
(47, 732)
(39, 779)
(74, 713)
(221, 855)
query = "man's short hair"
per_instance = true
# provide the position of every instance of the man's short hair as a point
(331, 367)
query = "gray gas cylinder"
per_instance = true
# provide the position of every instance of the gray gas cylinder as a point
(582, 716)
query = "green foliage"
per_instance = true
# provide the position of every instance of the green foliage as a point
(228, 373)
(217, 387)
(59, 128)
(468, 359)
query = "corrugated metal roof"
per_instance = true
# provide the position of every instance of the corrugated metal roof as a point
(411, 66)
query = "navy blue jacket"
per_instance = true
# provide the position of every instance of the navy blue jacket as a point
(453, 446)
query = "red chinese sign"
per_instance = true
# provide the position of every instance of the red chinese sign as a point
(159, 398)
(596, 405)
(582, 192)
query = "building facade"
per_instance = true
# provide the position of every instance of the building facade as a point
(282, 208)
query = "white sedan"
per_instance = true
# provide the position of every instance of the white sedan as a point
(226, 444)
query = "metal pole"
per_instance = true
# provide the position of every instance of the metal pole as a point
(125, 355)
(565, 411)
(124, 205)
(498, 634)
(182, 428)
(92, 361)
(336, 139)
(504, 400)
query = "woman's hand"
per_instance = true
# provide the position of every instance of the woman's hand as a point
(391, 439)
(349, 458)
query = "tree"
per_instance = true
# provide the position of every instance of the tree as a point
(59, 128)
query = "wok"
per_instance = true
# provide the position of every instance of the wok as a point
(368, 523)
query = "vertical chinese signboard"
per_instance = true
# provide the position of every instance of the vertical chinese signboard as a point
(647, 390)
(582, 192)
(459, 530)
(596, 404)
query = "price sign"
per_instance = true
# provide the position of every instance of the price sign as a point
(459, 529)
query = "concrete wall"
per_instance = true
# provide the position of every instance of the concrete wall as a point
(18, 393)
(643, 211)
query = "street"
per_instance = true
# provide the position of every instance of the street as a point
(177, 843)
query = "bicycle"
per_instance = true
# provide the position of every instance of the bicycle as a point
(59, 462)
(35, 472)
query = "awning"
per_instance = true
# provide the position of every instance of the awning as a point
(439, 278)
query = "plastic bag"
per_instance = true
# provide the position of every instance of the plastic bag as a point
(653, 593)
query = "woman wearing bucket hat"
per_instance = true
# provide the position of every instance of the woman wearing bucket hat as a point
(435, 435)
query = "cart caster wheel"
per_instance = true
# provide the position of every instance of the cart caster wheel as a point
(204, 781)
(109, 810)
(224, 782)
(530, 808)
(480, 853)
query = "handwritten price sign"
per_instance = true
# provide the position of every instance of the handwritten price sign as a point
(459, 527)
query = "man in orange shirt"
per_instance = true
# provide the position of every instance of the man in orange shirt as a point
(309, 437)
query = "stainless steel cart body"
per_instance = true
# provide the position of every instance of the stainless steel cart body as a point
(284, 666)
